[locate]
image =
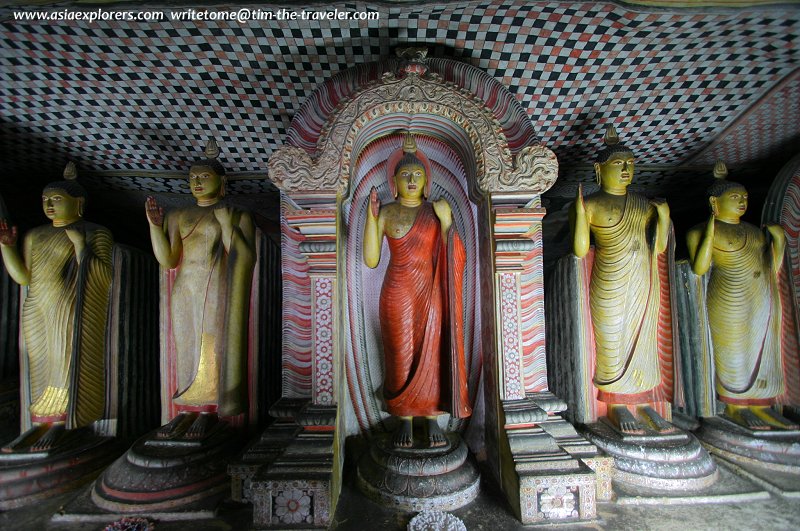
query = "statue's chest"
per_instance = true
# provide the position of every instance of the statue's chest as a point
(608, 213)
(399, 221)
(730, 238)
(200, 226)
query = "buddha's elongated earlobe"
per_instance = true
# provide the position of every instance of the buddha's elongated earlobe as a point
(712, 201)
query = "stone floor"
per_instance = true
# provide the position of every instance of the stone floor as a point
(489, 512)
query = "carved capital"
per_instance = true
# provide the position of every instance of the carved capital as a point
(535, 170)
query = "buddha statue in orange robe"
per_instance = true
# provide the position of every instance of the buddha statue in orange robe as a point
(421, 299)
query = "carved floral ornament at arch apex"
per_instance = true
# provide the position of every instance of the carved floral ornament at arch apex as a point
(533, 170)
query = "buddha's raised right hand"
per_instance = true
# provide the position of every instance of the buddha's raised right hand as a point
(709, 235)
(374, 203)
(8, 235)
(155, 214)
(580, 207)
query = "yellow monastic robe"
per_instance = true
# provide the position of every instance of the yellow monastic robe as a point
(744, 313)
(202, 312)
(624, 300)
(64, 324)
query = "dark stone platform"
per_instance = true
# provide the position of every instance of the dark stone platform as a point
(173, 478)
(27, 477)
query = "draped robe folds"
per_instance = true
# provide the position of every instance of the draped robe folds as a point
(422, 322)
(624, 298)
(64, 324)
(206, 327)
(744, 314)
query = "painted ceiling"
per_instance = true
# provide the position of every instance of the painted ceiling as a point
(133, 102)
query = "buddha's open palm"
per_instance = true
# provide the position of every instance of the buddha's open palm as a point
(8, 235)
(374, 203)
(155, 214)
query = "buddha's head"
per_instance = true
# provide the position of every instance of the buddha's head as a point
(409, 172)
(410, 179)
(727, 199)
(614, 166)
(63, 201)
(207, 177)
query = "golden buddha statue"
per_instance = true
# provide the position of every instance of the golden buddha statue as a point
(624, 291)
(420, 302)
(211, 247)
(744, 306)
(67, 268)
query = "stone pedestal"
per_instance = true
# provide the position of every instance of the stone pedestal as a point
(418, 479)
(672, 462)
(27, 477)
(160, 475)
(770, 458)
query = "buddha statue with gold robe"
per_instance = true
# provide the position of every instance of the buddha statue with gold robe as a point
(420, 306)
(744, 305)
(67, 268)
(210, 248)
(629, 232)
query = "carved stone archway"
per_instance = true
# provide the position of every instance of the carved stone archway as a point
(506, 169)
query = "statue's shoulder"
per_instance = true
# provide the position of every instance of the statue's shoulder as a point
(96, 228)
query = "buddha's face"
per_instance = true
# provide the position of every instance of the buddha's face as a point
(410, 180)
(204, 182)
(730, 204)
(58, 205)
(617, 171)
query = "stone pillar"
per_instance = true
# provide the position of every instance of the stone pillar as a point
(292, 473)
(546, 469)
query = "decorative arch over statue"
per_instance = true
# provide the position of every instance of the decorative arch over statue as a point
(489, 165)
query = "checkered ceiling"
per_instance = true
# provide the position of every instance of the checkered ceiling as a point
(681, 85)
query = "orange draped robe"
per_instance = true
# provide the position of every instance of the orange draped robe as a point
(422, 322)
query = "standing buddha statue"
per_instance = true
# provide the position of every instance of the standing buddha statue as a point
(624, 291)
(744, 306)
(211, 248)
(420, 302)
(67, 268)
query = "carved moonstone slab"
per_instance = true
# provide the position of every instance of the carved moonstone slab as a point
(436, 521)
(419, 479)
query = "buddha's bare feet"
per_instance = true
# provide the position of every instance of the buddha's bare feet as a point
(624, 420)
(656, 421)
(744, 416)
(403, 436)
(49, 439)
(175, 427)
(201, 426)
(436, 437)
(26, 439)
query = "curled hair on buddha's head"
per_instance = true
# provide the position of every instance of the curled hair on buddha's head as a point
(612, 145)
(721, 184)
(408, 159)
(70, 185)
(212, 152)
